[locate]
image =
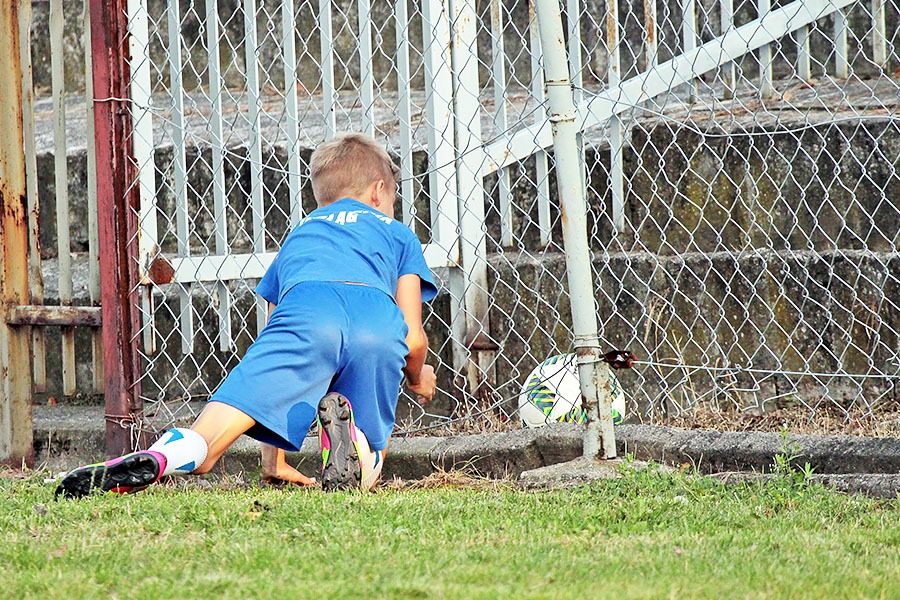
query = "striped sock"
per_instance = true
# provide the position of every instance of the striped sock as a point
(184, 450)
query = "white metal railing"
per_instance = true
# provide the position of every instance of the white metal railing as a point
(224, 263)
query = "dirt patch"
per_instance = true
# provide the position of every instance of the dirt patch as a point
(445, 479)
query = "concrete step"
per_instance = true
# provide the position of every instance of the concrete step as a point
(66, 437)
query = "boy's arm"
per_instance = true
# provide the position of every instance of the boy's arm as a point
(419, 376)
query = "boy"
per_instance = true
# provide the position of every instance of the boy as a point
(345, 300)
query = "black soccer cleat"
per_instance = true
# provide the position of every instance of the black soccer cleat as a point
(341, 469)
(129, 473)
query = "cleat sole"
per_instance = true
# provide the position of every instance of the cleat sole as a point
(132, 473)
(341, 470)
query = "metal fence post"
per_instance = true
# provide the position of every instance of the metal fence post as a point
(470, 283)
(15, 356)
(599, 440)
(117, 201)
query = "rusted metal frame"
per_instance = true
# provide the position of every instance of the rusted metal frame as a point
(117, 200)
(61, 180)
(97, 379)
(15, 357)
(35, 272)
(62, 316)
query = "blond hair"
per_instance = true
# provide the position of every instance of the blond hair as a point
(346, 165)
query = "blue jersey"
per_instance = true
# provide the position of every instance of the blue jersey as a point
(347, 241)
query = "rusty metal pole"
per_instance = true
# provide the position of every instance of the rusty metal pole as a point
(117, 198)
(593, 374)
(15, 351)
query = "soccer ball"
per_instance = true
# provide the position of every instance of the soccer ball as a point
(552, 392)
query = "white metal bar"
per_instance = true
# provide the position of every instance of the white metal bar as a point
(473, 237)
(726, 23)
(541, 167)
(765, 57)
(573, 23)
(292, 118)
(651, 34)
(218, 169)
(367, 79)
(616, 131)
(879, 34)
(61, 179)
(404, 108)
(179, 172)
(142, 150)
(439, 128)
(35, 273)
(211, 268)
(501, 118)
(681, 69)
(329, 100)
(841, 49)
(803, 56)
(599, 440)
(689, 35)
(573, 26)
(191, 269)
(436, 255)
(97, 366)
(442, 181)
(254, 151)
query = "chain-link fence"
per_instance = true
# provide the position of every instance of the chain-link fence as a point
(740, 163)
(750, 253)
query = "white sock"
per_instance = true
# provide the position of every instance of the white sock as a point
(371, 461)
(184, 449)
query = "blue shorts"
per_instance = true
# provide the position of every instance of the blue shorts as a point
(322, 337)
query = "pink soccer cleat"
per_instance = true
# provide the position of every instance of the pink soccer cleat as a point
(126, 474)
(341, 469)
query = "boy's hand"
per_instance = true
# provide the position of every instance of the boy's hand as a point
(424, 389)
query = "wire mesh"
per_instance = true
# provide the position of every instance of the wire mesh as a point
(740, 162)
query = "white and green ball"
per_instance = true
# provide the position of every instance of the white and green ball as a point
(552, 393)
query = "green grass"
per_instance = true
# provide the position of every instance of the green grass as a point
(646, 535)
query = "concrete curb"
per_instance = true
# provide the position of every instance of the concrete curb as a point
(68, 436)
